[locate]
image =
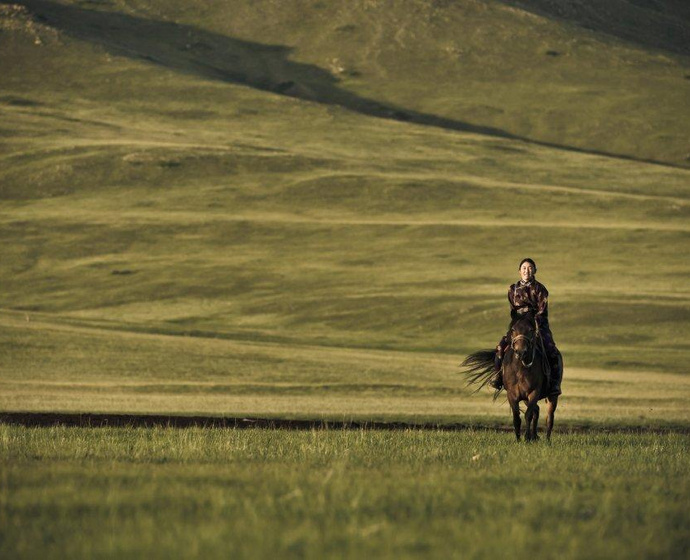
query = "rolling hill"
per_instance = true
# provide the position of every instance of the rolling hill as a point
(355, 176)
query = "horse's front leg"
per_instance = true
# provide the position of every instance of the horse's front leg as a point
(532, 410)
(515, 407)
(535, 422)
(553, 403)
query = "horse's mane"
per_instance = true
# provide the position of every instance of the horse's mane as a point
(529, 316)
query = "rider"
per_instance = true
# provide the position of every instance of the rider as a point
(528, 295)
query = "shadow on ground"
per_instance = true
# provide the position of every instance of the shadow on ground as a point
(659, 24)
(213, 56)
(95, 420)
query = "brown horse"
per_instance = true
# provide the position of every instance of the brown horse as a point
(525, 375)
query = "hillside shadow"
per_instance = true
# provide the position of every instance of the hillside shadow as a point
(659, 24)
(213, 56)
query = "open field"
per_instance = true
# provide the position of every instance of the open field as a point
(145, 192)
(312, 210)
(66, 368)
(164, 493)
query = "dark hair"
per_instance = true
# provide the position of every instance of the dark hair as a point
(530, 261)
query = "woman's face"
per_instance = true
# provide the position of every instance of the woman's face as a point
(526, 271)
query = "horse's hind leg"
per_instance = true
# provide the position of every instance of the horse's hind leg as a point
(515, 407)
(553, 403)
(535, 422)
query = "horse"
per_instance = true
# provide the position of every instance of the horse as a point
(525, 375)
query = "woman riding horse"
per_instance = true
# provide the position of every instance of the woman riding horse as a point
(529, 296)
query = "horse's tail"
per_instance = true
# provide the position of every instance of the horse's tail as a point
(480, 368)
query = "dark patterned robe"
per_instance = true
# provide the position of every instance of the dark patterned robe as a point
(529, 296)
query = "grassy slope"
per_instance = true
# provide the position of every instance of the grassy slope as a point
(265, 494)
(162, 196)
(60, 367)
(480, 64)
(477, 64)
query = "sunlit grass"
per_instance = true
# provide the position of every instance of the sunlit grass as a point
(259, 493)
(154, 198)
(178, 238)
(59, 367)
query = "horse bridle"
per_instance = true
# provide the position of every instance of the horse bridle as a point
(530, 340)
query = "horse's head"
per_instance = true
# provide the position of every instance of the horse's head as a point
(522, 336)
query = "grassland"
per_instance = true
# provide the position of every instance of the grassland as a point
(310, 209)
(61, 367)
(474, 65)
(164, 493)
(188, 238)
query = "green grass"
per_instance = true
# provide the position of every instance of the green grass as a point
(260, 493)
(310, 209)
(155, 179)
(239, 213)
(53, 366)
(156, 196)
(482, 65)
